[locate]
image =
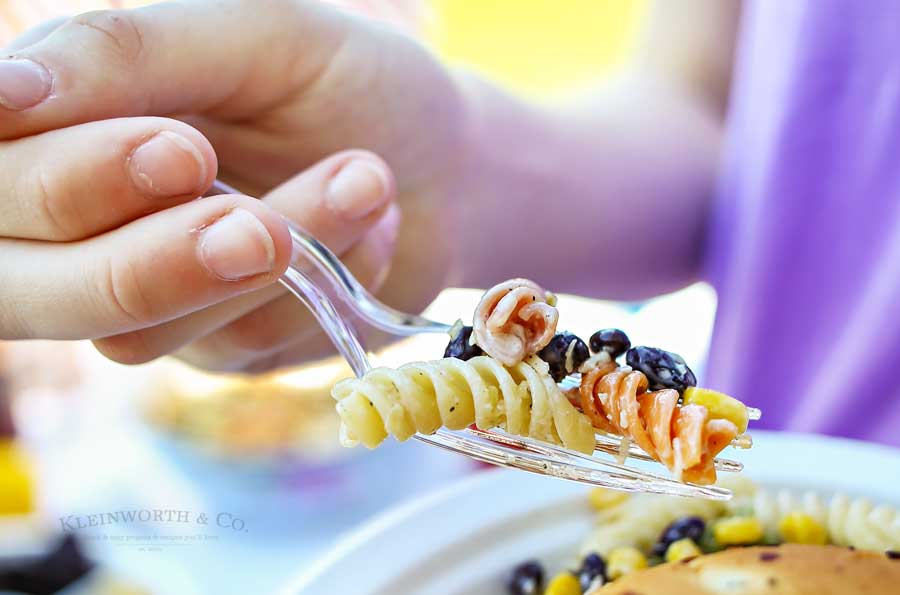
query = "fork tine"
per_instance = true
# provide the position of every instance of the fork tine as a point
(607, 444)
(581, 467)
(610, 445)
(743, 441)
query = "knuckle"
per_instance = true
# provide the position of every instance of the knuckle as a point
(123, 294)
(120, 32)
(129, 349)
(59, 218)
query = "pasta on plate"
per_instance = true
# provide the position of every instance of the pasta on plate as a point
(640, 543)
(847, 520)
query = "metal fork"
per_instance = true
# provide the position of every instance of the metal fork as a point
(311, 257)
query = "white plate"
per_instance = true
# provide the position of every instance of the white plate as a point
(463, 540)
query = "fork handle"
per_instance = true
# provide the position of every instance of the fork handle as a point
(352, 292)
(322, 308)
(307, 249)
(347, 287)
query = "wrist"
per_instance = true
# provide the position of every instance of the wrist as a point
(507, 172)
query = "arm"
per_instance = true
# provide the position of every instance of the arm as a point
(608, 197)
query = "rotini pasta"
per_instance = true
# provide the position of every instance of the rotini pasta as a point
(507, 378)
(424, 396)
(848, 521)
(514, 320)
(639, 520)
(684, 438)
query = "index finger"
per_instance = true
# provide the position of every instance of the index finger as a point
(230, 59)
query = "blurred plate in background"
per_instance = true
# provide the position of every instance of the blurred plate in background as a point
(464, 540)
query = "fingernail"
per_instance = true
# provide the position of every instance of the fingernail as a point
(23, 84)
(237, 246)
(168, 165)
(358, 188)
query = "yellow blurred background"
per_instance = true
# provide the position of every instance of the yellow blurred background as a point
(540, 48)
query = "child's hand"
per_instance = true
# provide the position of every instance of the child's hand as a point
(98, 233)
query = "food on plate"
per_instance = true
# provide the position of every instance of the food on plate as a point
(790, 569)
(635, 532)
(248, 418)
(512, 370)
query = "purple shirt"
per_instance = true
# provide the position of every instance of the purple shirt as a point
(805, 236)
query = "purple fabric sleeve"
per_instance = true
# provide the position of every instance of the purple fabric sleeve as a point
(804, 245)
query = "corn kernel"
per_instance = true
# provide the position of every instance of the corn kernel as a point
(799, 527)
(601, 498)
(16, 481)
(738, 531)
(623, 560)
(681, 549)
(563, 584)
(719, 405)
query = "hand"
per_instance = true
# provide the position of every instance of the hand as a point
(116, 119)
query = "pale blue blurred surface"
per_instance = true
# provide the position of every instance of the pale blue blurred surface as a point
(291, 513)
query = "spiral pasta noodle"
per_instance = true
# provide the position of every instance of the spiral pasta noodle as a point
(684, 438)
(849, 521)
(424, 396)
(638, 520)
(514, 320)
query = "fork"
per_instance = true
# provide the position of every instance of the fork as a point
(311, 257)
